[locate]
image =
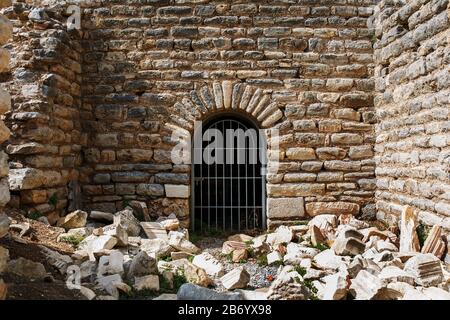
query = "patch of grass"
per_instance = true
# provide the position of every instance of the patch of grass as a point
(34, 215)
(262, 260)
(195, 237)
(422, 233)
(321, 246)
(53, 200)
(312, 288)
(242, 261)
(166, 258)
(190, 258)
(300, 270)
(73, 239)
(277, 263)
(179, 280)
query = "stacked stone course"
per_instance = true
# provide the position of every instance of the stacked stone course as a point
(307, 63)
(6, 31)
(46, 142)
(412, 56)
(94, 109)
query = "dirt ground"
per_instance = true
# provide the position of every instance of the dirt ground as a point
(51, 288)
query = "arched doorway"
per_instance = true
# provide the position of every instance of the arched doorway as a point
(228, 180)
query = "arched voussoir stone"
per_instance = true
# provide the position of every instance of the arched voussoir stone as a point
(227, 96)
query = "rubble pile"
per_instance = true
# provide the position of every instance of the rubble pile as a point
(329, 257)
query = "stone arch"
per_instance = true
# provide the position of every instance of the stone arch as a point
(225, 96)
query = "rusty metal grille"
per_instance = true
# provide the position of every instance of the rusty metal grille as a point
(230, 196)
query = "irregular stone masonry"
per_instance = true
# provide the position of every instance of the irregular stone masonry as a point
(412, 55)
(97, 107)
(303, 68)
(5, 103)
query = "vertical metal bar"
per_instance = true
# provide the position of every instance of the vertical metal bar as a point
(215, 179)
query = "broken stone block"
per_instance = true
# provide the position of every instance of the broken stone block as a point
(118, 232)
(400, 287)
(372, 232)
(177, 240)
(326, 223)
(259, 245)
(181, 255)
(112, 264)
(281, 235)
(27, 268)
(156, 248)
(142, 265)
(335, 287)
(274, 257)
(426, 269)
(346, 231)
(366, 286)
(434, 243)
(128, 221)
(385, 245)
(395, 274)
(96, 244)
(4, 258)
(348, 246)
(154, 230)
(166, 296)
(236, 279)
(414, 294)
(240, 238)
(288, 286)
(87, 293)
(355, 266)
(59, 261)
(239, 255)
(140, 210)
(196, 275)
(316, 236)
(101, 216)
(436, 293)
(409, 241)
(189, 291)
(327, 259)
(295, 253)
(113, 284)
(76, 219)
(150, 282)
(211, 265)
(170, 223)
(4, 225)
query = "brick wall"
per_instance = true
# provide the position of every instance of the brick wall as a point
(412, 56)
(45, 145)
(149, 67)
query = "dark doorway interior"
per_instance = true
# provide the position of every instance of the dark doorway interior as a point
(229, 196)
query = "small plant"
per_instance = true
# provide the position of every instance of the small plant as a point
(300, 270)
(191, 258)
(321, 247)
(125, 203)
(262, 260)
(242, 261)
(166, 258)
(178, 280)
(73, 239)
(312, 288)
(53, 200)
(301, 223)
(34, 215)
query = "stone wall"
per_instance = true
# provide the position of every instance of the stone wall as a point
(5, 102)
(45, 146)
(412, 56)
(303, 67)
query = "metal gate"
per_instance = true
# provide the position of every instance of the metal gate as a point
(229, 195)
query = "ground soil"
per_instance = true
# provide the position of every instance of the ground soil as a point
(51, 288)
